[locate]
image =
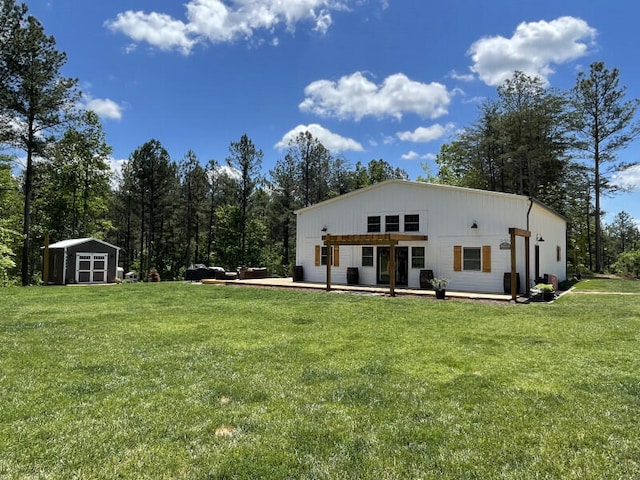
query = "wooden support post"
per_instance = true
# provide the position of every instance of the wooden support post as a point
(514, 286)
(527, 267)
(45, 266)
(392, 270)
(329, 261)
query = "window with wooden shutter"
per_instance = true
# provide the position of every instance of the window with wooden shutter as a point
(486, 258)
(457, 258)
(317, 259)
(336, 256)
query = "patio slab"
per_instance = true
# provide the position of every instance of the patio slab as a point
(374, 289)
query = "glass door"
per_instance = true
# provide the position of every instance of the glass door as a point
(402, 265)
(383, 265)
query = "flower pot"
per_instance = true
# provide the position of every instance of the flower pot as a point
(440, 294)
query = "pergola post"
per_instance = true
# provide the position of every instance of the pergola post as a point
(518, 232)
(514, 286)
(392, 269)
(527, 268)
(329, 261)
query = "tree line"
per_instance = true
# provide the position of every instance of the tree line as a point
(557, 147)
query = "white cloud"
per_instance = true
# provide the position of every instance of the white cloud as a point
(227, 171)
(426, 134)
(410, 155)
(355, 96)
(533, 49)
(331, 141)
(628, 179)
(157, 29)
(463, 77)
(217, 21)
(116, 171)
(103, 107)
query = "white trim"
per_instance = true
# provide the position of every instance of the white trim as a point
(79, 241)
(92, 258)
(64, 267)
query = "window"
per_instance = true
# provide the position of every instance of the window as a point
(417, 257)
(411, 223)
(321, 255)
(367, 256)
(471, 259)
(392, 223)
(373, 224)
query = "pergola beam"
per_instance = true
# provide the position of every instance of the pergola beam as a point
(372, 239)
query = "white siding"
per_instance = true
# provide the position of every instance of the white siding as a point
(446, 215)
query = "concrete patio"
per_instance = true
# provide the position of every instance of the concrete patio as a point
(371, 289)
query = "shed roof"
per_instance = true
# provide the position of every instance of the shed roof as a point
(79, 241)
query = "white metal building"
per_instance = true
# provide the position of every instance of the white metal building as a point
(471, 237)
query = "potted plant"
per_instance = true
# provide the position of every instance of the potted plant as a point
(440, 286)
(544, 290)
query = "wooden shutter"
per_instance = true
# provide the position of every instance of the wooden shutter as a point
(336, 256)
(486, 258)
(318, 252)
(457, 258)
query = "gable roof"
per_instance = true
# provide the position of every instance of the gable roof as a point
(79, 241)
(427, 185)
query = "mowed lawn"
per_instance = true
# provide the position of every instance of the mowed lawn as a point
(177, 380)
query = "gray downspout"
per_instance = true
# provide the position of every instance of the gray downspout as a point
(527, 286)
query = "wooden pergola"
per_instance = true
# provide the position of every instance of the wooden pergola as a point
(518, 232)
(383, 239)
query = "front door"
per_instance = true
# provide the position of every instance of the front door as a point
(91, 267)
(402, 265)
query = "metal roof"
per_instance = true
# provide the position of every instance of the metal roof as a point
(79, 241)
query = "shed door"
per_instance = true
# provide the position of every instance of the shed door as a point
(91, 267)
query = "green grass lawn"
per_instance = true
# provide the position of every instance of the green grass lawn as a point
(176, 380)
(609, 285)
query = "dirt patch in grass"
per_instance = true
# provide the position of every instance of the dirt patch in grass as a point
(225, 431)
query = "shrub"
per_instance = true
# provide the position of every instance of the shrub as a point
(628, 264)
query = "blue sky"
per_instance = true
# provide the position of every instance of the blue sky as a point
(391, 79)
